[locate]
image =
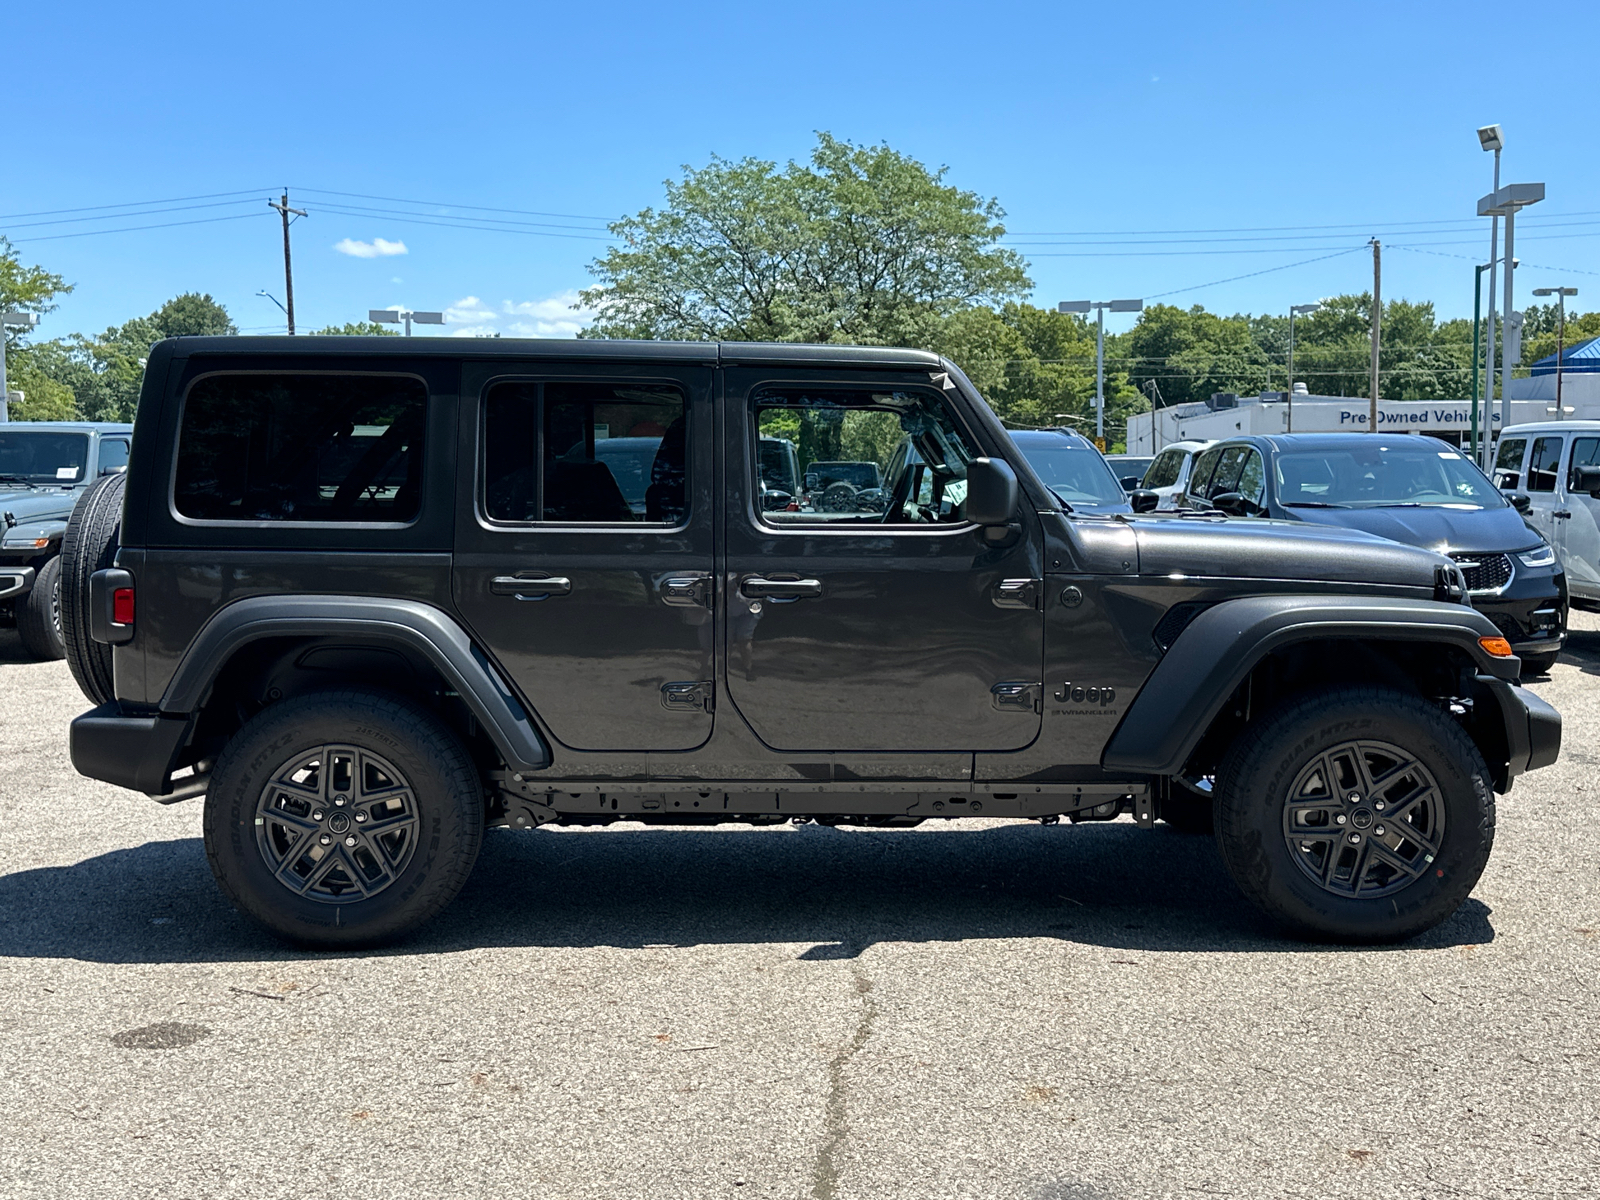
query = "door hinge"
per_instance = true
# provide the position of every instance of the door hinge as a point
(1018, 593)
(695, 696)
(1017, 697)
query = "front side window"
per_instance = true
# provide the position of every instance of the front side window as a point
(1226, 478)
(42, 458)
(1508, 463)
(590, 453)
(1200, 476)
(865, 456)
(1252, 483)
(113, 455)
(1585, 453)
(1544, 464)
(301, 447)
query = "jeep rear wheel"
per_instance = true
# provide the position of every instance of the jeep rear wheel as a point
(344, 818)
(1356, 815)
(39, 613)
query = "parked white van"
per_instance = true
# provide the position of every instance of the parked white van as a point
(1546, 461)
(1168, 475)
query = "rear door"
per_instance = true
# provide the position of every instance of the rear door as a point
(1541, 481)
(885, 623)
(585, 567)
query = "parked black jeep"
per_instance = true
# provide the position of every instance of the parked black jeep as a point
(371, 598)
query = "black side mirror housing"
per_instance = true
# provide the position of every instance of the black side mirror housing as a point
(1143, 500)
(1520, 501)
(1585, 479)
(1235, 505)
(991, 492)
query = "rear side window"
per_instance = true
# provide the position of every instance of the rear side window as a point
(1544, 464)
(590, 453)
(301, 447)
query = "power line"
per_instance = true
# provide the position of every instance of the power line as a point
(151, 212)
(1251, 275)
(131, 204)
(436, 204)
(56, 237)
(1467, 222)
(455, 224)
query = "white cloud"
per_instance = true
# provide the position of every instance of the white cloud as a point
(551, 317)
(376, 248)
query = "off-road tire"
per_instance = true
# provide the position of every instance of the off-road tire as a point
(448, 795)
(1538, 664)
(89, 545)
(39, 613)
(1264, 765)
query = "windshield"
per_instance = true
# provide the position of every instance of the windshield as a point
(859, 474)
(1078, 474)
(44, 457)
(1383, 475)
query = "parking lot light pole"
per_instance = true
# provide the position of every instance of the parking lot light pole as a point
(1099, 307)
(1504, 202)
(11, 320)
(398, 316)
(1295, 310)
(1561, 294)
(1490, 138)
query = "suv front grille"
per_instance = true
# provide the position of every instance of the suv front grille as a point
(1484, 572)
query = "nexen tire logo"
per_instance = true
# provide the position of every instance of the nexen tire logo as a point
(1077, 693)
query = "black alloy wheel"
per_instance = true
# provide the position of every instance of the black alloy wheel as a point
(1356, 814)
(39, 613)
(344, 819)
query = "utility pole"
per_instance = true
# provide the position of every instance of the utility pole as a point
(1377, 331)
(283, 209)
(1490, 138)
(1561, 294)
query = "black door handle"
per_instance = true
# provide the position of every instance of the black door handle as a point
(758, 587)
(1562, 515)
(530, 589)
(686, 591)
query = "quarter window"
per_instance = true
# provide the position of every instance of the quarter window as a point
(1544, 464)
(591, 453)
(889, 457)
(301, 447)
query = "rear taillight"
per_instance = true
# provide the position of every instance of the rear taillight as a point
(122, 606)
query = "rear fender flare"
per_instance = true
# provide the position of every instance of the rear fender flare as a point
(418, 627)
(1220, 647)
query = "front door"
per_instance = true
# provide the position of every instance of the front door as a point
(1541, 481)
(865, 613)
(583, 556)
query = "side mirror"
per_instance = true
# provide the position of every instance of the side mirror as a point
(1520, 501)
(1130, 483)
(113, 470)
(1143, 500)
(775, 501)
(1235, 505)
(991, 492)
(1585, 479)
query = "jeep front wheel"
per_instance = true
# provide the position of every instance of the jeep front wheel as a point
(39, 613)
(343, 819)
(1356, 815)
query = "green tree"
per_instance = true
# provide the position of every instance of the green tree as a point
(357, 329)
(860, 245)
(1539, 331)
(31, 289)
(1190, 353)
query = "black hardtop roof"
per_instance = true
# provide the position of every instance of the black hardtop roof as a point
(711, 353)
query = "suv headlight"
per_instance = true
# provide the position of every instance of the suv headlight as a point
(1544, 556)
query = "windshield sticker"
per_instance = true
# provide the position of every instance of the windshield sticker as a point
(66, 472)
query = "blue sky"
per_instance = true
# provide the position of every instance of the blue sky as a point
(1118, 138)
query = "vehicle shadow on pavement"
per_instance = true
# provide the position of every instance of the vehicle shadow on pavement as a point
(1583, 650)
(830, 892)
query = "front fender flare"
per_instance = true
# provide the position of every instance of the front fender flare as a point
(418, 627)
(1221, 646)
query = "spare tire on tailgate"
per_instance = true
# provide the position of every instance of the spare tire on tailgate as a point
(89, 545)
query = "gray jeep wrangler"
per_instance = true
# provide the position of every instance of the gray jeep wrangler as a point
(371, 597)
(44, 467)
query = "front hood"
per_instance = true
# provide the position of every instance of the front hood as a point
(1479, 530)
(1251, 548)
(46, 504)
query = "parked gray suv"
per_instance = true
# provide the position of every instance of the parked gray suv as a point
(44, 467)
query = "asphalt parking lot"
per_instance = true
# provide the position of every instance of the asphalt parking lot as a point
(980, 1009)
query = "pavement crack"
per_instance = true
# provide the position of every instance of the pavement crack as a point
(835, 1113)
